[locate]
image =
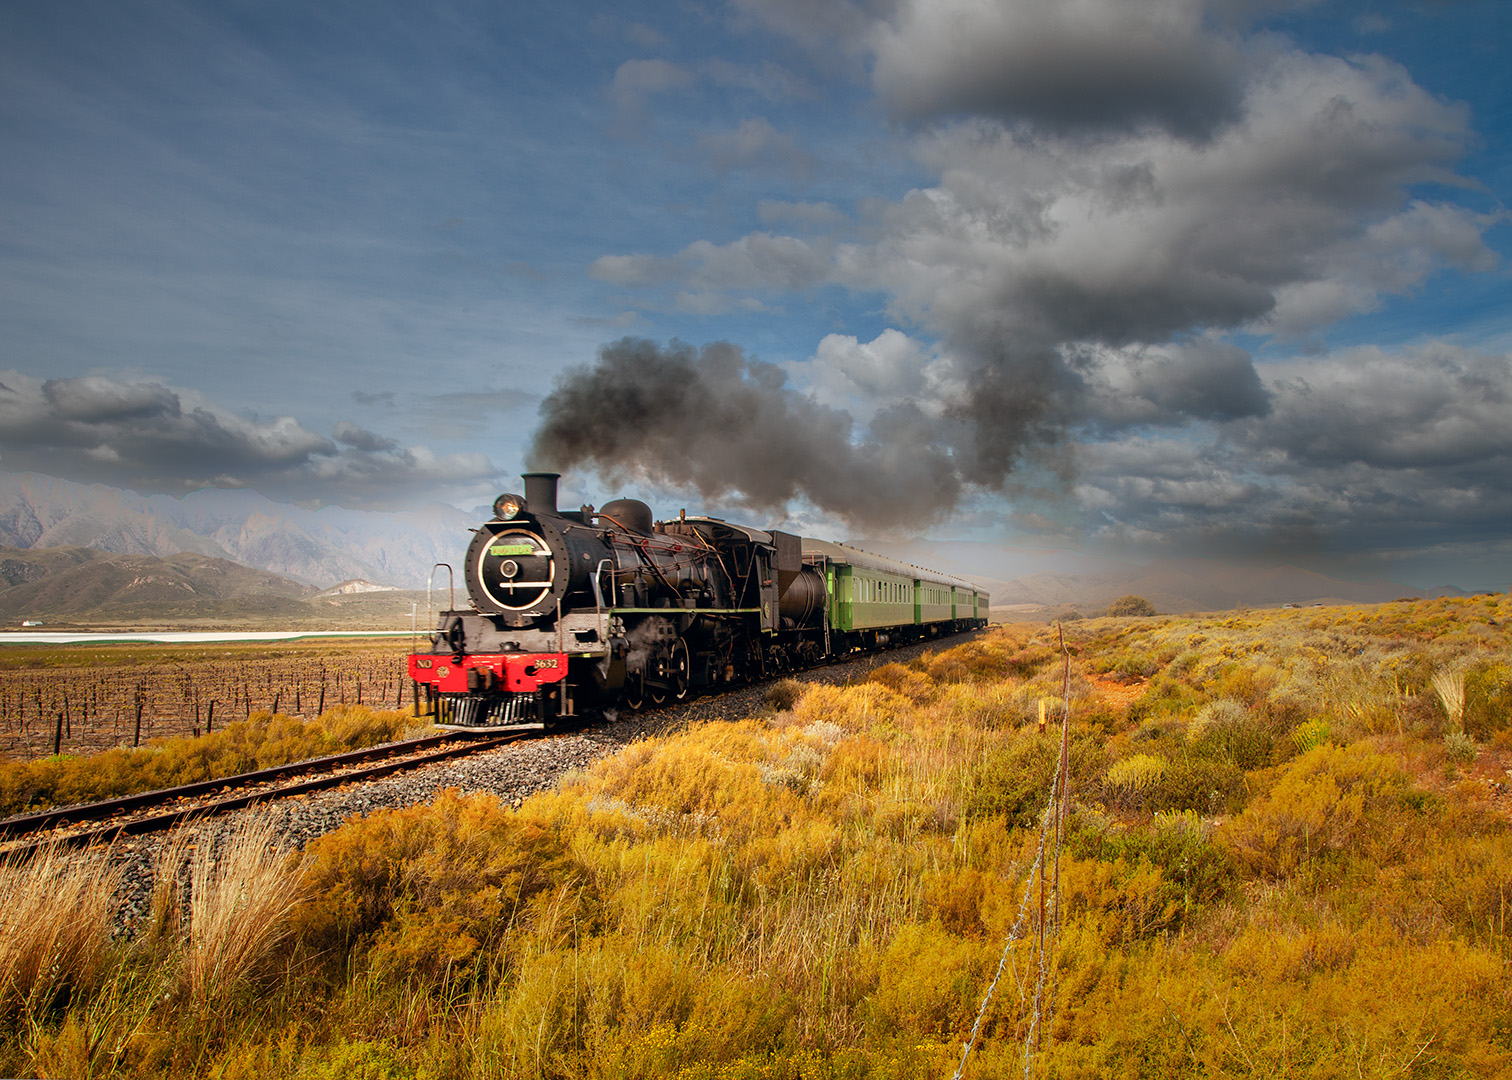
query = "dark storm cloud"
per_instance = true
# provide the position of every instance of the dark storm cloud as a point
(1095, 65)
(1122, 183)
(349, 434)
(151, 437)
(1431, 408)
(1370, 449)
(732, 427)
(1169, 385)
(93, 400)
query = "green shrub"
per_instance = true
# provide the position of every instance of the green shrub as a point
(1227, 731)
(1488, 700)
(1195, 870)
(1130, 778)
(1460, 747)
(1165, 696)
(1014, 779)
(1205, 785)
(1185, 781)
(1312, 734)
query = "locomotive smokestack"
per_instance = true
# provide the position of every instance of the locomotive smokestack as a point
(541, 492)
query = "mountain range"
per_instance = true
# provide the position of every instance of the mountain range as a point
(317, 547)
(322, 547)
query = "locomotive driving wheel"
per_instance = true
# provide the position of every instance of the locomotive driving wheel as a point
(679, 668)
(634, 690)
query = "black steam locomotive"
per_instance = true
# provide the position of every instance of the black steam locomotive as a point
(578, 611)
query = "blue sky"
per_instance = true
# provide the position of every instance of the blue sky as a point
(1141, 278)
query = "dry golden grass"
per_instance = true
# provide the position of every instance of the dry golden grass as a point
(1450, 688)
(55, 912)
(241, 892)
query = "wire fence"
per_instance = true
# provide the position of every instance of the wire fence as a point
(1051, 838)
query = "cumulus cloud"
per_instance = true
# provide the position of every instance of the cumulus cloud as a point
(149, 436)
(1123, 190)
(1142, 237)
(1168, 385)
(1432, 407)
(349, 434)
(863, 377)
(1081, 285)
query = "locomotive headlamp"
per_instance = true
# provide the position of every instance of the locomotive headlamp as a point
(508, 507)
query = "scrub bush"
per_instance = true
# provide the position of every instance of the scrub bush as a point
(424, 889)
(1321, 805)
(1013, 779)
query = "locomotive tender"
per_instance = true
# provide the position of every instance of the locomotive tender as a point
(577, 611)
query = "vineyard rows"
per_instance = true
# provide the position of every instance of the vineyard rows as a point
(88, 709)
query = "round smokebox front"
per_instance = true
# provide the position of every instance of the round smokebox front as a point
(512, 569)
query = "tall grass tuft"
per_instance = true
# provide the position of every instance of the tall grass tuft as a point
(55, 912)
(165, 909)
(241, 893)
(1450, 688)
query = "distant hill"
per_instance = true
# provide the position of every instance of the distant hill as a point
(75, 583)
(317, 547)
(80, 587)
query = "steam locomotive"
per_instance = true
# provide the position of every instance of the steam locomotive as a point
(575, 612)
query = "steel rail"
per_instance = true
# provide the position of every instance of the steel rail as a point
(402, 756)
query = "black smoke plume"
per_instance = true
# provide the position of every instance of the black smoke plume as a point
(732, 427)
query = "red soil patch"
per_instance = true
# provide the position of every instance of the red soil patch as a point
(1118, 691)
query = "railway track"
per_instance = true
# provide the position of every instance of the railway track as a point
(130, 815)
(157, 811)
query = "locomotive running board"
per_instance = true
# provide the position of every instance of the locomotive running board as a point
(685, 611)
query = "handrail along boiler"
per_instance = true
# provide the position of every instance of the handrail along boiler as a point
(578, 611)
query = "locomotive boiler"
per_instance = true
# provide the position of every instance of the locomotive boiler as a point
(575, 612)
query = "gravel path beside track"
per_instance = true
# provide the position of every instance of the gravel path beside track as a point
(511, 772)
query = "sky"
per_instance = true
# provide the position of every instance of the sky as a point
(1145, 278)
